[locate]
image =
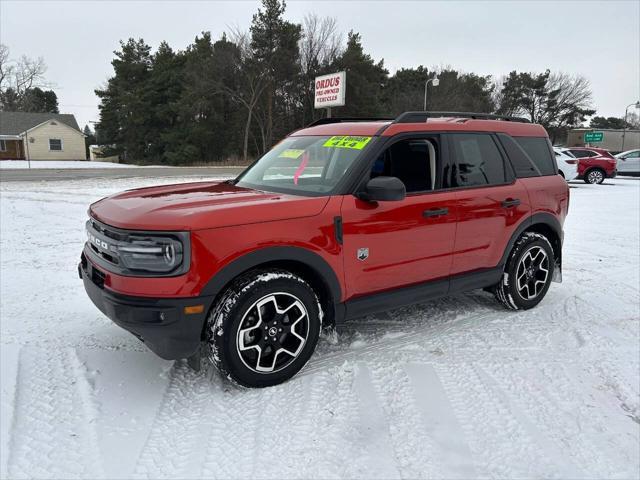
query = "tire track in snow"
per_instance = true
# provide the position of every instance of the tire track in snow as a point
(232, 424)
(440, 424)
(10, 362)
(499, 443)
(414, 452)
(175, 442)
(543, 389)
(52, 435)
(565, 468)
(377, 438)
(309, 418)
(384, 345)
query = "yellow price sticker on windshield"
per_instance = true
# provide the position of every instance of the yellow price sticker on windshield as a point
(357, 143)
(291, 153)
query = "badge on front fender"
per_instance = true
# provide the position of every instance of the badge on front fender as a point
(363, 254)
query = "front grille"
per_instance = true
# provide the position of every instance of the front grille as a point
(103, 254)
(97, 277)
(106, 231)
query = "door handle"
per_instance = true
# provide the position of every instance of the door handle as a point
(510, 202)
(435, 212)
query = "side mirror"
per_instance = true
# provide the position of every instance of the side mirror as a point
(383, 189)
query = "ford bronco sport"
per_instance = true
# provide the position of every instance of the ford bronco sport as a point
(340, 219)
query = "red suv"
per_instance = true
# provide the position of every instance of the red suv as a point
(594, 164)
(340, 219)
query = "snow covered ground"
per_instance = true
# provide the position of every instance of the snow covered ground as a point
(455, 388)
(56, 164)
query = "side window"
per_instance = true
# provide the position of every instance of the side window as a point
(583, 153)
(413, 161)
(524, 167)
(477, 161)
(538, 150)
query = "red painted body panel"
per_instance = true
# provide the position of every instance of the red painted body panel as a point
(605, 163)
(214, 248)
(404, 246)
(485, 226)
(195, 206)
(548, 195)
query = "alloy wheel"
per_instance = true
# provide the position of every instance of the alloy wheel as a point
(273, 332)
(532, 273)
(595, 176)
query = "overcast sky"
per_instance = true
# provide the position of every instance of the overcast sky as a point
(600, 40)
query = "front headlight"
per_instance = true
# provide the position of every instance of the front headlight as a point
(152, 254)
(136, 253)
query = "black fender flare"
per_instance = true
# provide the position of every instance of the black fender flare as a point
(261, 256)
(537, 218)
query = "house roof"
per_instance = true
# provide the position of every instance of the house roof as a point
(15, 123)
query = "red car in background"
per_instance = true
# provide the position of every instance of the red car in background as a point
(595, 164)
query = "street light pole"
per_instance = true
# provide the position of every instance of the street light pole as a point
(624, 127)
(435, 83)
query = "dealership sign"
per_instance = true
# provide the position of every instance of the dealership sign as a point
(329, 90)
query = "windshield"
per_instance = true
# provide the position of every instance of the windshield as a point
(304, 165)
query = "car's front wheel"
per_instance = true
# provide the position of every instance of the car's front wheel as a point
(528, 272)
(595, 176)
(264, 328)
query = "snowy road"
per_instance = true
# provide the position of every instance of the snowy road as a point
(455, 388)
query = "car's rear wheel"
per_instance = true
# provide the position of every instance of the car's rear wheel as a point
(528, 272)
(264, 328)
(595, 176)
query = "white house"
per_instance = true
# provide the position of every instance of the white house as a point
(40, 136)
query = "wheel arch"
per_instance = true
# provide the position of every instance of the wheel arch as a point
(543, 223)
(305, 263)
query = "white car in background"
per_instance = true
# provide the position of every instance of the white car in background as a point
(628, 163)
(567, 163)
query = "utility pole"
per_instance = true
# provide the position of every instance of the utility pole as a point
(626, 113)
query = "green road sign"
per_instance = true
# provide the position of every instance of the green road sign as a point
(591, 137)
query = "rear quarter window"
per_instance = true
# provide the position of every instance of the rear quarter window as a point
(538, 149)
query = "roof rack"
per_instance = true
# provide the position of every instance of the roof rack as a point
(419, 117)
(325, 121)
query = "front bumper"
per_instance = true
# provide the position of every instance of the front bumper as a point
(159, 322)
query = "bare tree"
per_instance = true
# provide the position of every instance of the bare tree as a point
(571, 101)
(251, 85)
(320, 45)
(6, 68)
(555, 100)
(29, 73)
(17, 77)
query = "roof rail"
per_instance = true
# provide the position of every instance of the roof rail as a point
(325, 121)
(419, 117)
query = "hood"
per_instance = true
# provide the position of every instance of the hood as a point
(197, 206)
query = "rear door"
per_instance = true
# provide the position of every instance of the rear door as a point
(490, 201)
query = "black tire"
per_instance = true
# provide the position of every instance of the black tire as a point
(252, 301)
(594, 176)
(511, 291)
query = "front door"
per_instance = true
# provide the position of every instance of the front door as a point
(630, 163)
(401, 243)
